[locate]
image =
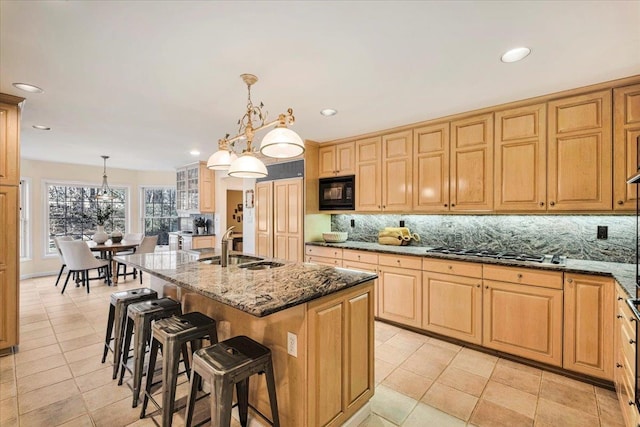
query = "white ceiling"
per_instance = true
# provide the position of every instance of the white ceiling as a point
(147, 81)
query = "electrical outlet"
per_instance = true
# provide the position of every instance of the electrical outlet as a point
(353, 223)
(603, 232)
(292, 344)
(401, 223)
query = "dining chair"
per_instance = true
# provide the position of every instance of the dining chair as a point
(56, 241)
(147, 246)
(129, 237)
(79, 259)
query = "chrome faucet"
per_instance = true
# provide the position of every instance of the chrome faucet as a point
(226, 238)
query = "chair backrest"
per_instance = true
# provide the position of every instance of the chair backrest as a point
(132, 237)
(77, 255)
(57, 240)
(148, 245)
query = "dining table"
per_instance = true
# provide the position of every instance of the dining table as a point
(108, 249)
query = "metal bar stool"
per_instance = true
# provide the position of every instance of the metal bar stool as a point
(228, 363)
(173, 333)
(117, 317)
(139, 318)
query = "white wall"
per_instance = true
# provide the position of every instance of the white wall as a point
(39, 172)
(224, 183)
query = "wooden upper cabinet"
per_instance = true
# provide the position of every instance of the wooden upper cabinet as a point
(368, 174)
(207, 188)
(471, 180)
(431, 168)
(580, 152)
(264, 219)
(397, 165)
(626, 130)
(337, 160)
(9, 145)
(520, 182)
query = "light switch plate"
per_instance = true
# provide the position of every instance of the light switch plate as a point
(292, 344)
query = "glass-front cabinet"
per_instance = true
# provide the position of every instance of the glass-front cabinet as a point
(195, 189)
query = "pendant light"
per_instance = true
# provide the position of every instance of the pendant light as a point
(105, 192)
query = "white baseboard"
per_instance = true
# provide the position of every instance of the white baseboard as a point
(34, 275)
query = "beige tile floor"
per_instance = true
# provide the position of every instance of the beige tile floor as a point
(56, 377)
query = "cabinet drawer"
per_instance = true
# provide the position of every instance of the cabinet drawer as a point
(401, 261)
(323, 251)
(360, 256)
(371, 268)
(525, 276)
(331, 262)
(458, 268)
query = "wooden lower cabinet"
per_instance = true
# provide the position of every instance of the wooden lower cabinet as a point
(370, 268)
(588, 325)
(203, 242)
(341, 336)
(400, 295)
(330, 262)
(624, 366)
(523, 320)
(8, 266)
(452, 306)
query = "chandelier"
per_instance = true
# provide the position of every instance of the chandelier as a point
(280, 142)
(105, 192)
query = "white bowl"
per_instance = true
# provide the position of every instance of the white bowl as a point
(335, 237)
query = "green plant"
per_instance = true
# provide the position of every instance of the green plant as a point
(200, 222)
(103, 213)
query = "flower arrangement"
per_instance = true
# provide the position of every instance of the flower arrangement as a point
(103, 214)
(200, 222)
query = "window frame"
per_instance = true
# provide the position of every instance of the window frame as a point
(142, 204)
(46, 253)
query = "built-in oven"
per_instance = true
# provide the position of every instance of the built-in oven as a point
(338, 193)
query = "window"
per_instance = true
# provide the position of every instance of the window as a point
(25, 249)
(72, 211)
(159, 215)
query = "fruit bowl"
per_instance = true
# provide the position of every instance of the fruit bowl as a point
(335, 237)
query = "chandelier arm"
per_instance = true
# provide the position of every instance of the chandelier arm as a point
(283, 119)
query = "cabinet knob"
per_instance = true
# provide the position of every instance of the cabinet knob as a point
(478, 285)
(632, 403)
(378, 206)
(358, 257)
(633, 319)
(486, 287)
(445, 205)
(541, 203)
(384, 206)
(519, 275)
(451, 267)
(620, 298)
(618, 365)
(570, 280)
(632, 341)
(619, 316)
(552, 203)
(453, 205)
(620, 202)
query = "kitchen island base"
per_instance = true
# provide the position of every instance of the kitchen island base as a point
(330, 377)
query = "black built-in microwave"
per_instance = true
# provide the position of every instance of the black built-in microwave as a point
(338, 194)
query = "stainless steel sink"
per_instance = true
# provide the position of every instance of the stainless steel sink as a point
(262, 265)
(233, 259)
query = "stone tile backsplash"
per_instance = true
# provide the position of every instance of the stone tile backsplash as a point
(573, 236)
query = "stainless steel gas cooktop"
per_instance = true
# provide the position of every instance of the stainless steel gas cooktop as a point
(541, 258)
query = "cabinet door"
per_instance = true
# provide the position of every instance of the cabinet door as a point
(471, 177)
(523, 320)
(8, 266)
(202, 242)
(326, 161)
(369, 175)
(452, 306)
(206, 189)
(588, 325)
(521, 159)
(193, 199)
(370, 268)
(580, 153)
(400, 295)
(9, 144)
(626, 130)
(264, 219)
(431, 168)
(287, 220)
(181, 189)
(359, 338)
(397, 167)
(346, 158)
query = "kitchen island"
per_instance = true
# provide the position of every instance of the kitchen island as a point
(317, 321)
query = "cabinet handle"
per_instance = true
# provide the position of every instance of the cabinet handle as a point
(619, 316)
(552, 203)
(541, 203)
(633, 319)
(569, 280)
(632, 403)
(519, 275)
(478, 285)
(632, 341)
(618, 365)
(620, 202)
(620, 298)
(358, 257)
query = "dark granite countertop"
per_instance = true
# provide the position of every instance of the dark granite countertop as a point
(624, 273)
(257, 292)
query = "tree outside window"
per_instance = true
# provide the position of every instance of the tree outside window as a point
(159, 213)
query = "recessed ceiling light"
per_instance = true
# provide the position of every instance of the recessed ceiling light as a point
(515, 54)
(327, 112)
(40, 127)
(28, 88)
(194, 152)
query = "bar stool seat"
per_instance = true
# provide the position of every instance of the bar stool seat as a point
(228, 363)
(172, 334)
(117, 318)
(139, 318)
